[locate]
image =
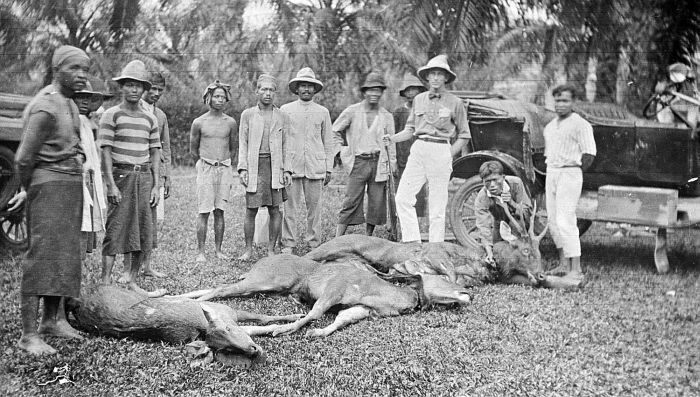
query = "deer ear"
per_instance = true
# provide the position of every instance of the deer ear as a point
(212, 316)
(506, 234)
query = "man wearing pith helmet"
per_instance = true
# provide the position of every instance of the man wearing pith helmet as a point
(436, 119)
(366, 159)
(130, 141)
(309, 157)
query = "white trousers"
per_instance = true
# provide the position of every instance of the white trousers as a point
(563, 189)
(309, 191)
(432, 163)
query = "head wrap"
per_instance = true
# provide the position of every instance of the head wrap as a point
(157, 78)
(66, 52)
(209, 91)
(266, 78)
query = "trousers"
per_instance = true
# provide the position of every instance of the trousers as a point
(430, 163)
(311, 192)
(562, 190)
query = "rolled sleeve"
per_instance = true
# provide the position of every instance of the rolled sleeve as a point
(461, 121)
(243, 129)
(107, 129)
(587, 139)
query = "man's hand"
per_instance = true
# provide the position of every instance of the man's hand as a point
(17, 201)
(114, 196)
(155, 196)
(166, 187)
(387, 139)
(327, 179)
(586, 161)
(243, 176)
(286, 178)
(505, 196)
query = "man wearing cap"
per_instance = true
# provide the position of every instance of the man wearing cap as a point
(130, 143)
(49, 163)
(437, 118)
(148, 102)
(262, 167)
(309, 156)
(366, 159)
(410, 87)
(213, 140)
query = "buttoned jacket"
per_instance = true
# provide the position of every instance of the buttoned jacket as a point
(250, 136)
(309, 145)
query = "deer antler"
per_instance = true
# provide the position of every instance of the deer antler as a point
(531, 231)
(518, 226)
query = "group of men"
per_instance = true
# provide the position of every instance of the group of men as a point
(283, 156)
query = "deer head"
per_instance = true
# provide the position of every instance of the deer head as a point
(224, 334)
(518, 257)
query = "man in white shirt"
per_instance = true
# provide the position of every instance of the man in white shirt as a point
(570, 149)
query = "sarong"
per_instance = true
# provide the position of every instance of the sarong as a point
(130, 223)
(52, 263)
(265, 195)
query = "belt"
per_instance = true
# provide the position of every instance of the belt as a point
(433, 140)
(71, 165)
(565, 166)
(215, 163)
(374, 155)
(264, 155)
(133, 167)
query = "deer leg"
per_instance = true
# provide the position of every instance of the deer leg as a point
(345, 317)
(255, 330)
(243, 315)
(316, 312)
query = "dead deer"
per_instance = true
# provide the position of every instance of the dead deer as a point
(517, 258)
(349, 286)
(121, 313)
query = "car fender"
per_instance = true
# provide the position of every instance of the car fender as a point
(467, 166)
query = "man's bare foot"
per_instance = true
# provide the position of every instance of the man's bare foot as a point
(125, 278)
(222, 256)
(153, 273)
(201, 258)
(246, 255)
(33, 344)
(59, 329)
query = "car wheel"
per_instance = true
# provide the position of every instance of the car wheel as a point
(13, 229)
(461, 211)
(9, 180)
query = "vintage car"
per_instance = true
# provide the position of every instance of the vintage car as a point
(645, 172)
(13, 228)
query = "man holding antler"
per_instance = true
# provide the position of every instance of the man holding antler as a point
(500, 193)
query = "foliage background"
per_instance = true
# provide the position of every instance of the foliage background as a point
(614, 50)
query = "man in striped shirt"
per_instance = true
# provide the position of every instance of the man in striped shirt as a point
(130, 142)
(570, 149)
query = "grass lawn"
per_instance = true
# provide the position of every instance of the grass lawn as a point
(629, 332)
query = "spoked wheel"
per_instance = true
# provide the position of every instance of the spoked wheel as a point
(461, 211)
(13, 229)
(9, 181)
(656, 104)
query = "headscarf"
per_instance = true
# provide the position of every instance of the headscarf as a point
(66, 52)
(209, 91)
(266, 78)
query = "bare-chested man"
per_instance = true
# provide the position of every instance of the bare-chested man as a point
(213, 140)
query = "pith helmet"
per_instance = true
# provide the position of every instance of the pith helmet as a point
(439, 62)
(409, 81)
(373, 80)
(135, 70)
(305, 75)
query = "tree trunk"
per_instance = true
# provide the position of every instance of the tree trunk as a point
(591, 78)
(623, 74)
(547, 75)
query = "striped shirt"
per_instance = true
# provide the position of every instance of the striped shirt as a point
(566, 140)
(130, 134)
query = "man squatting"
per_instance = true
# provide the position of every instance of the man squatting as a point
(213, 140)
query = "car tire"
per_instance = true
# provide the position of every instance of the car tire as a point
(9, 179)
(463, 221)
